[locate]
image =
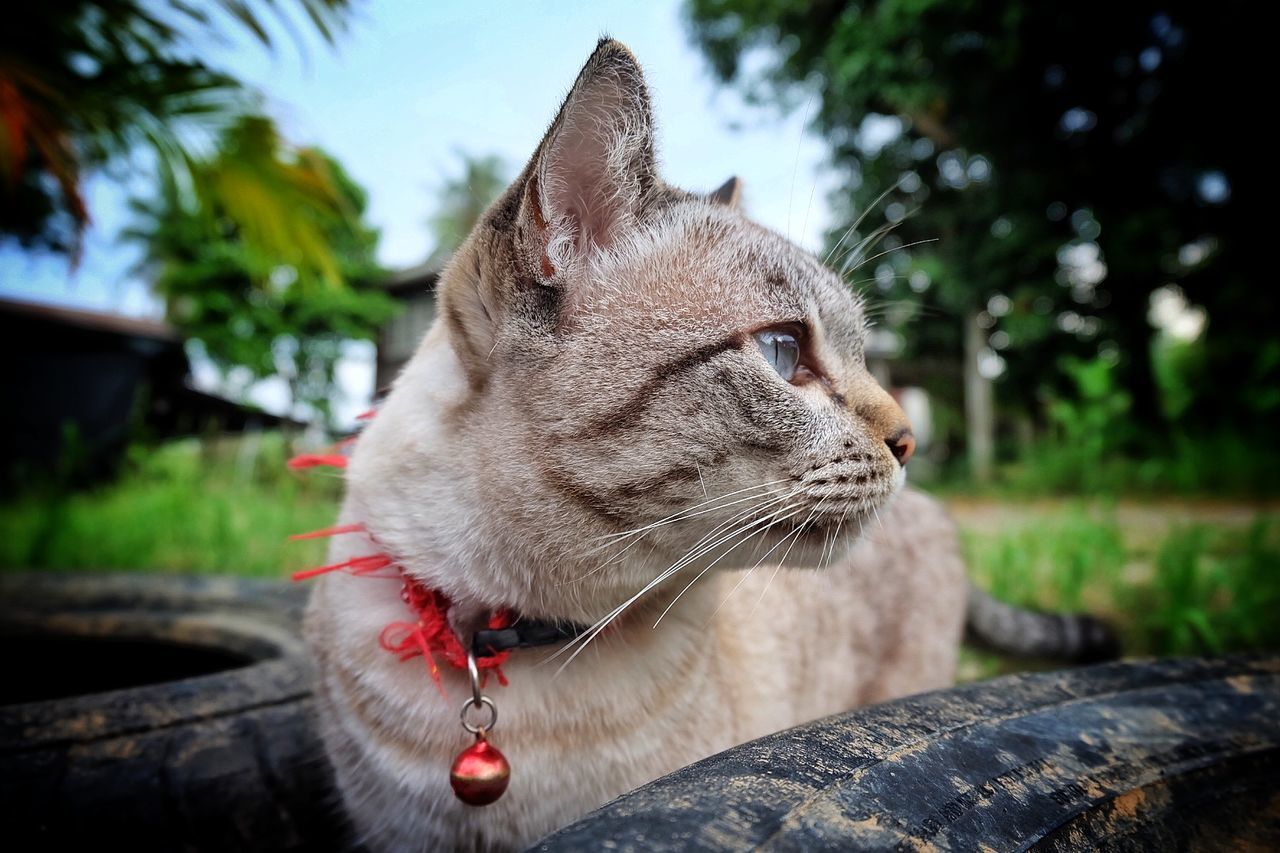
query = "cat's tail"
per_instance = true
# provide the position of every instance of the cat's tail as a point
(1028, 633)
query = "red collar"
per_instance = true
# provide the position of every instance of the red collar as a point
(432, 635)
(428, 633)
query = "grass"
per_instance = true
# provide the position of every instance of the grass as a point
(1170, 588)
(1217, 464)
(1207, 581)
(193, 507)
(1212, 592)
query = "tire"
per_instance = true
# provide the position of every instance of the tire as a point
(1164, 755)
(161, 713)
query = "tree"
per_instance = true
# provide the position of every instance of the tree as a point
(89, 84)
(462, 201)
(252, 309)
(1070, 157)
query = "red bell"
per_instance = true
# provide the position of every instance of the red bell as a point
(480, 773)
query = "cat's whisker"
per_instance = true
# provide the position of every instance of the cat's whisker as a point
(844, 261)
(795, 169)
(804, 229)
(794, 537)
(583, 640)
(862, 216)
(826, 541)
(700, 549)
(767, 529)
(916, 310)
(729, 522)
(713, 563)
(694, 554)
(758, 564)
(849, 259)
(894, 249)
(639, 533)
(688, 512)
(835, 539)
(852, 260)
(747, 574)
(875, 311)
(751, 509)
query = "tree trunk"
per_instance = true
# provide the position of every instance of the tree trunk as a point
(979, 410)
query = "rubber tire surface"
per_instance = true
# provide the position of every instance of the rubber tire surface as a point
(1156, 755)
(223, 761)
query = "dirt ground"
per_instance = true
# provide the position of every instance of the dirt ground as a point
(1145, 518)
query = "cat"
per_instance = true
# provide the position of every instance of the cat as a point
(628, 389)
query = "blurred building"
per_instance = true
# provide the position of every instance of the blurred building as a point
(415, 289)
(84, 383)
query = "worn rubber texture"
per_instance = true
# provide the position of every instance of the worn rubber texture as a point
(1146, 755)
(224, 760)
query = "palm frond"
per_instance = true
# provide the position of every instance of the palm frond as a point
(84, 84)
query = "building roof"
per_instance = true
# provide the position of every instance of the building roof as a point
(91, 320)
(413, 281)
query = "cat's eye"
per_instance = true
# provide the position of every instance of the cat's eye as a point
(781, 349)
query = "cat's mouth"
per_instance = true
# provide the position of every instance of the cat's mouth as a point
(829, 510)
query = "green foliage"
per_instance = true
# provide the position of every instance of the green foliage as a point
(87, 84)
(1088, 424)
(219, 507)
(1211, 593)
(461, 202)
(1234, 601)
(266, 311)
(1179, 369)
(1091, 423)
(1211, 465)
(1068, 157)
(1050, 564)
(1197, 589)
(1094, 420)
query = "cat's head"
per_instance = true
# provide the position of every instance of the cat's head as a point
(612, 353)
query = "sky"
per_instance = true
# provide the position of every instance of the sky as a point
(411, 84)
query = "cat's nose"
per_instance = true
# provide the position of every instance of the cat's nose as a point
(881, 416)
(902, 445)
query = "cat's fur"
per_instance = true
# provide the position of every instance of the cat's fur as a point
(592, 371)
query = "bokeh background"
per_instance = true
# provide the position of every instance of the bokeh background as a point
(221, 226)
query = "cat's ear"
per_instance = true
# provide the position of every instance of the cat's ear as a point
(587, 184)
(590, 177)
(729, 193)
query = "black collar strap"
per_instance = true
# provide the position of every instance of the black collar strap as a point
(526, 634)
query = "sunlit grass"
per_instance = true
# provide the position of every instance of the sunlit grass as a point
(1191, 588)
(185, 507)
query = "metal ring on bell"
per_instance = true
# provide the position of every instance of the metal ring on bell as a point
(484, 701)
